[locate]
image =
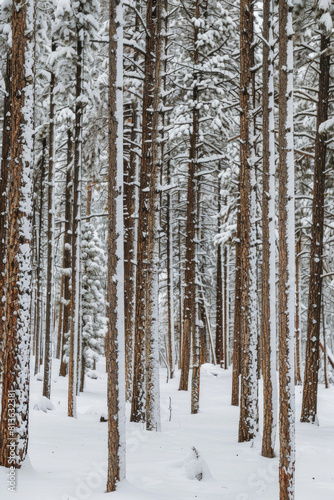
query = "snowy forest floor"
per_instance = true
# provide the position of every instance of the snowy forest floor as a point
(67, 457)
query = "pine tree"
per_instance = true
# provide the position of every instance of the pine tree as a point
(5, 158)
(248, 421)
(189, 307)
(309, 408)
(50, 244)
(115, 283)
(15, 392)
(145, 398)
(286, 255)
(268, 318)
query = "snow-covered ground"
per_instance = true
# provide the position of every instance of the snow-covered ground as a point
(67, 457)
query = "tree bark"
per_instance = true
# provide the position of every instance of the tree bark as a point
(153, 239)
(248, 422)
(298, 378)
(5, 159)
(39, 297)
(76, 235)
(268, 317)
(115, 284)
(325, 346)
(170, 277)
(219, 292)
(67, 255)
(145, 381)
(129, 252)
(189, 307)
(310, 390)
(15, 391)
(180, 286)
(225, 311)
(286, 255)
(50, 246)
(236, 362)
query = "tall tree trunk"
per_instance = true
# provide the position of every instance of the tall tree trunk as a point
(115, 283)
(286, 255)
(196, 338)
(170, 277)
(153, 240)
(236, 362)
(248, 422)
(60, 318)
(225, 311)
(219, 291)
(67, 254)
(129, 252)
(50, 246)
(310, 390)
(145, 390)
(170, 207)
(268, 317)
(76, 235)
(189, 307)
(180, 285)
(325, 346)
(15, 391)
(5, 159)
(298, 378)
(39, 297)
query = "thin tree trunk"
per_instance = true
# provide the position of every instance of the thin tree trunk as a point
(90, 186)
(60, 318)
(286, 255)
(15, 390)
(129, 253)
(237, 318)
(50, 247)
(153, 239)
(115, 336)
(298, 378)
(180, 285)
(268, 317)
(219, 292)
(310, 389)
(189, 308)
(39, 298)
(76, 237)
(329, 359)
(196, 338)
(204, 338)
(170, 278)
(325, 346)
(225, 311)
(67, 255)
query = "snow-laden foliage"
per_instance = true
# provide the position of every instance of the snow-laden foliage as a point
(94, 324)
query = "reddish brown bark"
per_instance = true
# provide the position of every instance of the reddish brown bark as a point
(129, 252)
(298, 379)
(310, 390)
(237, 325)
(5, 158)
(67, 256)
(149, 174)
(189, 309)
(16, 361)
